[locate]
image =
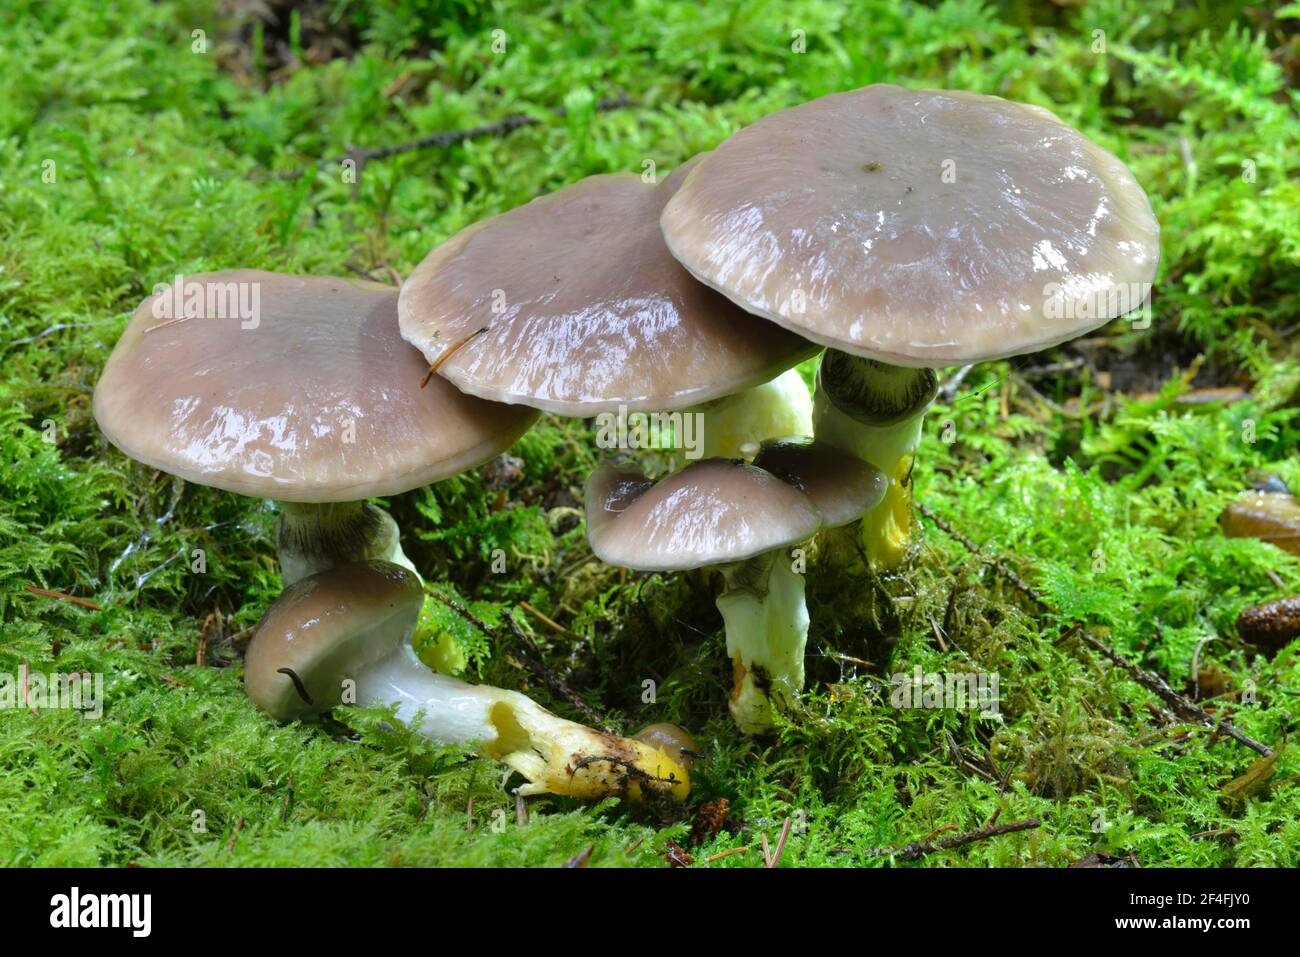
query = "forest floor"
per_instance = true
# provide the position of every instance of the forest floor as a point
(143, 140)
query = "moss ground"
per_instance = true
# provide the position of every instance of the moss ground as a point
(129, 152)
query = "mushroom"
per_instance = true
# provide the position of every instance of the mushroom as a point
(343, 636)
(315, 401)
(738, 518)
(907, 230)
(573, 305)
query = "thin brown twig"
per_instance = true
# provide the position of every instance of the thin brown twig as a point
(1182, 706)
(363, 155)
(550, 623)
(918, 850)
(530, 655)
(234, 835)
(448, 353)
(64, 596)
(780, 845)
(727, 853)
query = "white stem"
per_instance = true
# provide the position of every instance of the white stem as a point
(767, 631)
(875, 411)
(313, 538)
(555, 755)
(883, 446)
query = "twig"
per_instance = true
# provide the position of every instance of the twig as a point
(64, 596)
(727, 853)
(1181, 705)
(531, 657)
(950, 387)
(362, 155)
(918, 850)
(1006, 570)
(448, 353)
(234, 835)
(775, 859)
(555, 626)
(581, 858)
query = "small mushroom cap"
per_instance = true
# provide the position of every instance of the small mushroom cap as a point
(584, 309)
(918, 227)
(324, 629)
(316, 400)
(841, 486)
(711, 512)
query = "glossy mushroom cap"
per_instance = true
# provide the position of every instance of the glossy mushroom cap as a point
(311, 397)
(722, 510)
(918, 227)
(584, 309)
(841, 486)
(712, 512)
(323, 630)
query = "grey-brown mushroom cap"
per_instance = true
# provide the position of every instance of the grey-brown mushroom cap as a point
(918, 227)
(842, 487)
(711, 512)
(316, 398)
(324, 629)
(584, 309)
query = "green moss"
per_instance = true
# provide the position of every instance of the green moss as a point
(127, 158)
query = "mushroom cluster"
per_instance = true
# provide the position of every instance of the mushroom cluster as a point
(894, 231)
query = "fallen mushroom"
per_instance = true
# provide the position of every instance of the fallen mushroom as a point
(596, 317)
(908, 230)
(316, 401)
(1270, 516)
(343, 636)
(739, 519)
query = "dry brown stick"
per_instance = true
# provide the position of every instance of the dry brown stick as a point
(447, 353)
(727, 853)
(64, 596)
(918, 850)
(531, 657)
(1006, 570)
(234, 835)
(550, 623)
(1183, 707)
(554, 681)
(775, 860)
(516, 121)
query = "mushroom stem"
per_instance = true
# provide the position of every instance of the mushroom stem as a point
(874, 411)
(735, 425)
(555, 755)
(313, 538)
(767, 630)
